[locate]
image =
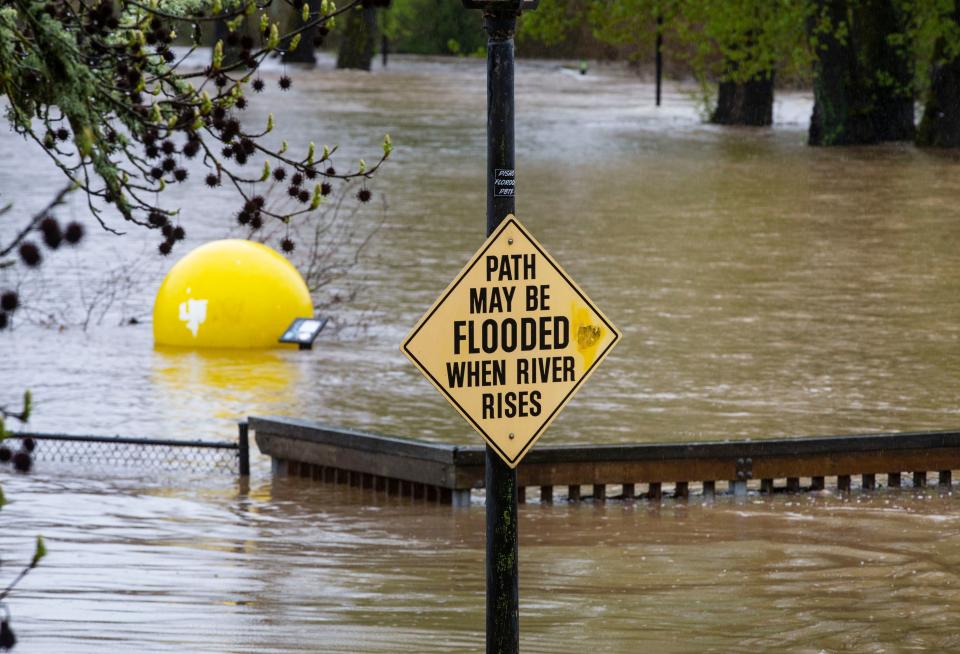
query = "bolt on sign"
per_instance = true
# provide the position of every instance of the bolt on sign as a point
(510, 340)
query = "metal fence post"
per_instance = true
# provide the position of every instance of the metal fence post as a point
(658, 56)
(243, 451)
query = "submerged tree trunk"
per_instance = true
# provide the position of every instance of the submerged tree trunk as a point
(863, 80)
(745, 103)
(359, 39)
(305, 50)
(940, 125)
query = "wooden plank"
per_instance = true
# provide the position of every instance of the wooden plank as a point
(783, 467)
(655, 491)
(733, 449)
(303, 448)
(357, 460)
(546, 494)
(599, 493)
(856, 462)
(473, 455)
(609, 472)
(709, 489)
(317, 433)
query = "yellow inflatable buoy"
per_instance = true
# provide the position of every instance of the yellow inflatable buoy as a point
(229, 294)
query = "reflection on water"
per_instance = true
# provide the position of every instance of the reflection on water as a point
(285, 566)
(194, 381)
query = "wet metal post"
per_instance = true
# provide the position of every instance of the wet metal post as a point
(503, 595)
(500, 480)
(243, 448)
(659, 56)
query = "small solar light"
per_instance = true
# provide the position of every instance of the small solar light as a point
(304, 331)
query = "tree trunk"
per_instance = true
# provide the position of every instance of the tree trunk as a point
(359, 38)
(862, 83)
(893, 78)
(231, 53)
(745, 103)
(304, 53)
(940, 125)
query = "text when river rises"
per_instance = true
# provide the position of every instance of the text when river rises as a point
(506, 332)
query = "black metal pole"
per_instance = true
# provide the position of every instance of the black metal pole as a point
(501, 200)
(243, 449)
(659, 56)
(503, 593)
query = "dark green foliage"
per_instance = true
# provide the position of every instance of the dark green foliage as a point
(940, 125)
(311, 38)
(434, 27)
(358, 42)
(863, 84)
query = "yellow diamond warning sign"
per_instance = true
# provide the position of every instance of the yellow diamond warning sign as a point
(510, 340)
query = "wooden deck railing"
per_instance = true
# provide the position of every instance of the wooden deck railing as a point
(447, 473)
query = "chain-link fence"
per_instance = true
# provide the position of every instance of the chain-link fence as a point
(22, 449)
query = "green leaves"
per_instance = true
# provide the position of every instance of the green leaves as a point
(431, 27)
(39, 552)
(317, 197)
(218, 55)
(27, 406)
(104, 75)
(274, 37)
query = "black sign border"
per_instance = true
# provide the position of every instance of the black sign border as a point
(463, 412)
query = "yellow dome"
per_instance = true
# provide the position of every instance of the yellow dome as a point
(230, 294)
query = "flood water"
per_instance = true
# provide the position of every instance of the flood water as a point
(764, 289)
(289, 566)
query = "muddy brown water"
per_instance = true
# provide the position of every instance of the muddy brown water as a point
(764, 289)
